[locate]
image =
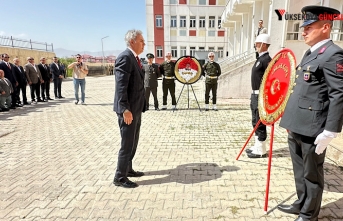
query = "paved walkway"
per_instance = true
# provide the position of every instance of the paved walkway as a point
(57, 162)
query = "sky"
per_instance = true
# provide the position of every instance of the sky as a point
(75, 25)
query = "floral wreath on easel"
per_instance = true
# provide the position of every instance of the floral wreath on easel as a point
(187, 68)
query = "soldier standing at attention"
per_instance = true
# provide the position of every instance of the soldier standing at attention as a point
(212, 71)
(262, 44)
(313, 115)
(168, 83)
(151, 73)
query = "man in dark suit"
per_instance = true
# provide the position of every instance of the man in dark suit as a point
(313, 115)
(22, 81)
(151, 73)
(8, 69)
(34, 78)
(45, 72)
(129, 103)
(57, 77)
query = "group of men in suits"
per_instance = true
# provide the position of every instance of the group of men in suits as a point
(38, 77)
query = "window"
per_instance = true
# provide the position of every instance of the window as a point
(174, 51)
(202, 2)
(212, 2)
(182, 2)
(211, 48)
(182, 21)
(183, 51)
(158, 20)
(219, 22)
(202, 22)
(211, 33)
(159, 51)
(211, 22)
(220, 52)
(183, 32)
(192, 22)
(192, 51)
(173, 21)
(201, 48)
(172, 2)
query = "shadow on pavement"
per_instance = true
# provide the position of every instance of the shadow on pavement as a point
(188, 174)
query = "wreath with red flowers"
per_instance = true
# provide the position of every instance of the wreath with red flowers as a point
(188, 61)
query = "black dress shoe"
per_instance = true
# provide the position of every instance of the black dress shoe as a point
(125, 183)
(164, 108)
(304, 219)
(49, 98)
(26, 103)
(61, 97)
(206, 109)
(156, 108)
(12, 107)
(40, 100)
(18, 105)
(5, 109)
(289, 209)
(252, 155)
(135, 174)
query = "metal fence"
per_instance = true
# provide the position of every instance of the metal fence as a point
(23, 43)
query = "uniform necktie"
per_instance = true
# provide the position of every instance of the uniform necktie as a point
(139, 62)
(308, 52)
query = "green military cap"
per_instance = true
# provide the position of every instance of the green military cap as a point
(149, 55)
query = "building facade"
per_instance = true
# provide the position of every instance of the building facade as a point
(183, 27)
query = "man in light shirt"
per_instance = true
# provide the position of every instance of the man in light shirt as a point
(80, 71)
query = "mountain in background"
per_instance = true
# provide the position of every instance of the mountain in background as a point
(61, 52)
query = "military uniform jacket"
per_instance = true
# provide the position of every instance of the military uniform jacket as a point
(211, 69)
(151, 73)
(317, 99)
(258, 70)
(167, 69)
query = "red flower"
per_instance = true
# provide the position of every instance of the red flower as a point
(188, 61)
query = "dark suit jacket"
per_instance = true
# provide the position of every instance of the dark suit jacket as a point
(9, 73)
(151, 73)
(32, 74)
(129, 84)
(20, 75)
(44, 72)
(55, 72)
(317, 99)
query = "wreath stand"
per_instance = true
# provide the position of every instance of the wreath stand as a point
(269, 159)
(188, 96)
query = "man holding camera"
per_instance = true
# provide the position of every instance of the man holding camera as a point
(80, 70)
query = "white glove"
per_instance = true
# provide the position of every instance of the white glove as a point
(323, 139)
(202, 77)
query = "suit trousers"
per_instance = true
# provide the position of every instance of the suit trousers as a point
(14, 96)
(35, 89)
(168, 84)
(57, 87)
(308, 174)
(261, 130)
(209, 87)
(129, 141)
(22, 88)
(45, 89)
(147, 96)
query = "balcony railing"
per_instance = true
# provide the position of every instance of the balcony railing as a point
(27, 44)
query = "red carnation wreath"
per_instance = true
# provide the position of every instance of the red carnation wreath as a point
(187, 68)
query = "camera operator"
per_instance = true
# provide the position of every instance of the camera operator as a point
(80, 70)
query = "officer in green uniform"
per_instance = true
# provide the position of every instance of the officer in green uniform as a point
(151, 73)
(211, 70)
(168, 83)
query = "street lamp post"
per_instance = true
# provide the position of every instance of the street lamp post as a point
(103, 55)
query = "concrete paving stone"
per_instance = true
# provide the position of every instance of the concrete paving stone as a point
(188, 157)
(139, 214)
(60, 213)
(39, 212)
(158, 205)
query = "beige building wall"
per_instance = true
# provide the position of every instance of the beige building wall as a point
(22, 54)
